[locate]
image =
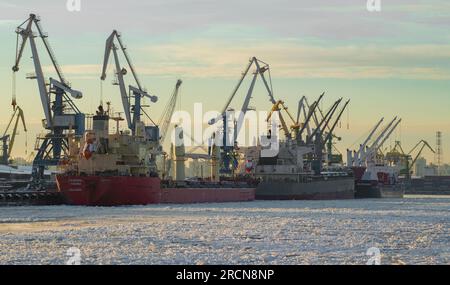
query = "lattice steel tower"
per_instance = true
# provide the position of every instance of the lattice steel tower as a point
(439, 154)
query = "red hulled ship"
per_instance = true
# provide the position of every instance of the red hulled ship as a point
(119, 169)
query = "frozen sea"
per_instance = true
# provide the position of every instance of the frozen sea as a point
(414, 230)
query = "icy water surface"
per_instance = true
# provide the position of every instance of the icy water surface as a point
(414, 230)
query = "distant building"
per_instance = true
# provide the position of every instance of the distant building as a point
(431, 170)
(421, 164)
(445, 170)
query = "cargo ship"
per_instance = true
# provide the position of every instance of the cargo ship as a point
(301, 166)
(117, 169)
(289, 176)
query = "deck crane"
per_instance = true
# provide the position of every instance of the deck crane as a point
(227, 150)
(166, 116)
(306, 123)
(318, 132)
(8, 139)
(328, 132)
(61, 113)
(136, 93)
(354, 159)
(330, 135)
(302, 109)
(371, 152)
(320, 139)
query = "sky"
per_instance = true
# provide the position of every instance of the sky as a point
(395, 62)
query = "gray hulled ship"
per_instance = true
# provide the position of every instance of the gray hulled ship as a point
(303, 167)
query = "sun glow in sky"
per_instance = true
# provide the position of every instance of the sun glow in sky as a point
(395, 62)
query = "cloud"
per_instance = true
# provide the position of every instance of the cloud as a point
(324, 19)
(292, 59)
(288, 59)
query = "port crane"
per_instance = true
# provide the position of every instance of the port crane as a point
(164, 121)
(132, 112)
(422, 144)
(406, 160)
(227, 155)
(9, 139)
(295, 125)
(61, 113)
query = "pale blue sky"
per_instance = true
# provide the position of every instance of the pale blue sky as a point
(394, 62)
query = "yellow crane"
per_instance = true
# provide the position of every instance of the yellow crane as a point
(8, 139)
(278, 107)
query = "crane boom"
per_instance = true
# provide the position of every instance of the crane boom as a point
(389, 133)
(371, 134)
(244, 108)
(50, 51)
(363, 146)
(127, 58)
(385, 130)
(302, 105)
(319, 131)
(238, 85)
(137, 92)
(424, 144)
(166, 116)
(260, 70)
(375, 146)
(330, 132)
(312, 110)
(301, 108)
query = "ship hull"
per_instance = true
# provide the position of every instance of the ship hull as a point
(369, 190)
(206, 195)
(124, 190)
(333, 189)
(109, 190)
(429, 185)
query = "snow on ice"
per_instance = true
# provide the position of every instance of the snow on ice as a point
(414, 230)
